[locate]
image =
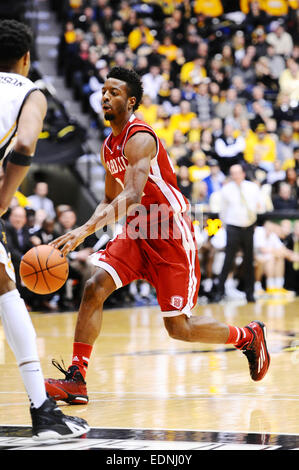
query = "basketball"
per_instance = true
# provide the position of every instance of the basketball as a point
(44, 269)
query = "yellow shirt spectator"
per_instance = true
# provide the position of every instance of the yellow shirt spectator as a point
(192, 70)
(148, 110)
(168, 49)
(135, 37)
(289, 80)
(194, 133)
(182, 120)
(166, 134)
(210, 8)
(260, 146)
(273, 8)
(200, 169)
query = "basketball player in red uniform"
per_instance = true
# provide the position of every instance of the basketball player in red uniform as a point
(157, 243)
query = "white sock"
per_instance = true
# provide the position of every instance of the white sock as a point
(270, 283)
(258, 285)
(21, 338)
(33, 380)
(279, 282)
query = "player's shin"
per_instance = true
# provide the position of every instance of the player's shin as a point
(21, 338)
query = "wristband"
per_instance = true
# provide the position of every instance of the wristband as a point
(19, 158)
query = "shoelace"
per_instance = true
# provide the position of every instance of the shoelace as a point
(68, 373)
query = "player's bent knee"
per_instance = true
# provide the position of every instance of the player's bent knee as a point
(98, 287)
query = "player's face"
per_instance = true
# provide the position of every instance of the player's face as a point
(115, 100)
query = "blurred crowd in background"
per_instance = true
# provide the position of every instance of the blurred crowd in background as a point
(221, 86)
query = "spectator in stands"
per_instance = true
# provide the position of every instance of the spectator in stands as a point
(289, 79)
(179, 152)
(80, 269)
(148, 110)
(225, 108)
(280, 39)
(240, 203)
(172, 104)
(258, 96)
(40, 200)
(260, 148)
(200, 169)
(292, 179)
(277, 174)
(191, 42)
(284, 201)
(193, 71)
(206, 143)
(19, 241)
(255, 16)
(215, 179)
(245, 70)
(275, 61)
(296, 159)
(152, 82)
(184, 183)
(229, 149)
(270, 255)
(285, 145)
(283, 111)
(163, 128)
(182, 120)
(46, 233)
(200, 195)
(194, 133)
(204, 105)
(139, 35)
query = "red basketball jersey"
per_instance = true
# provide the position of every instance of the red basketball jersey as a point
(161, 186)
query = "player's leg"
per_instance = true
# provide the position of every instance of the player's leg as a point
(21, 338)
(72, 388)
(119, 264)
(251, 339)
(47, 420)
(196, 329)
(97, 289)
(178, 297)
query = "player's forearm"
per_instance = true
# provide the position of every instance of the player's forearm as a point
(109, 213)
(14, 175)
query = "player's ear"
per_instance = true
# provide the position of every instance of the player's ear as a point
(26, 59)
(131, 103)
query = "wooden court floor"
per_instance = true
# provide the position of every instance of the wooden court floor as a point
(145, 387)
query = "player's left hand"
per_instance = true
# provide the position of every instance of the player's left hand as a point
(69, 241)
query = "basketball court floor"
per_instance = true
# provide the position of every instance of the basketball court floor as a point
(148, 391)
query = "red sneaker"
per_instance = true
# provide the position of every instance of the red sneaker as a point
(256, 351)
(72, 389)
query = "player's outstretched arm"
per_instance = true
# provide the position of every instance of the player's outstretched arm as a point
(20, 155)
(139, 150)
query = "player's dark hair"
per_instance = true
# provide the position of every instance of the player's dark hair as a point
(133, 81)
(15, 41)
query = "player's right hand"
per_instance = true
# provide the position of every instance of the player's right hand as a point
(69, 241)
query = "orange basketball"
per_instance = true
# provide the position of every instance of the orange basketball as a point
(44, 269)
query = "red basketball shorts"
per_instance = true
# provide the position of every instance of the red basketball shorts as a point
(169, 263)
